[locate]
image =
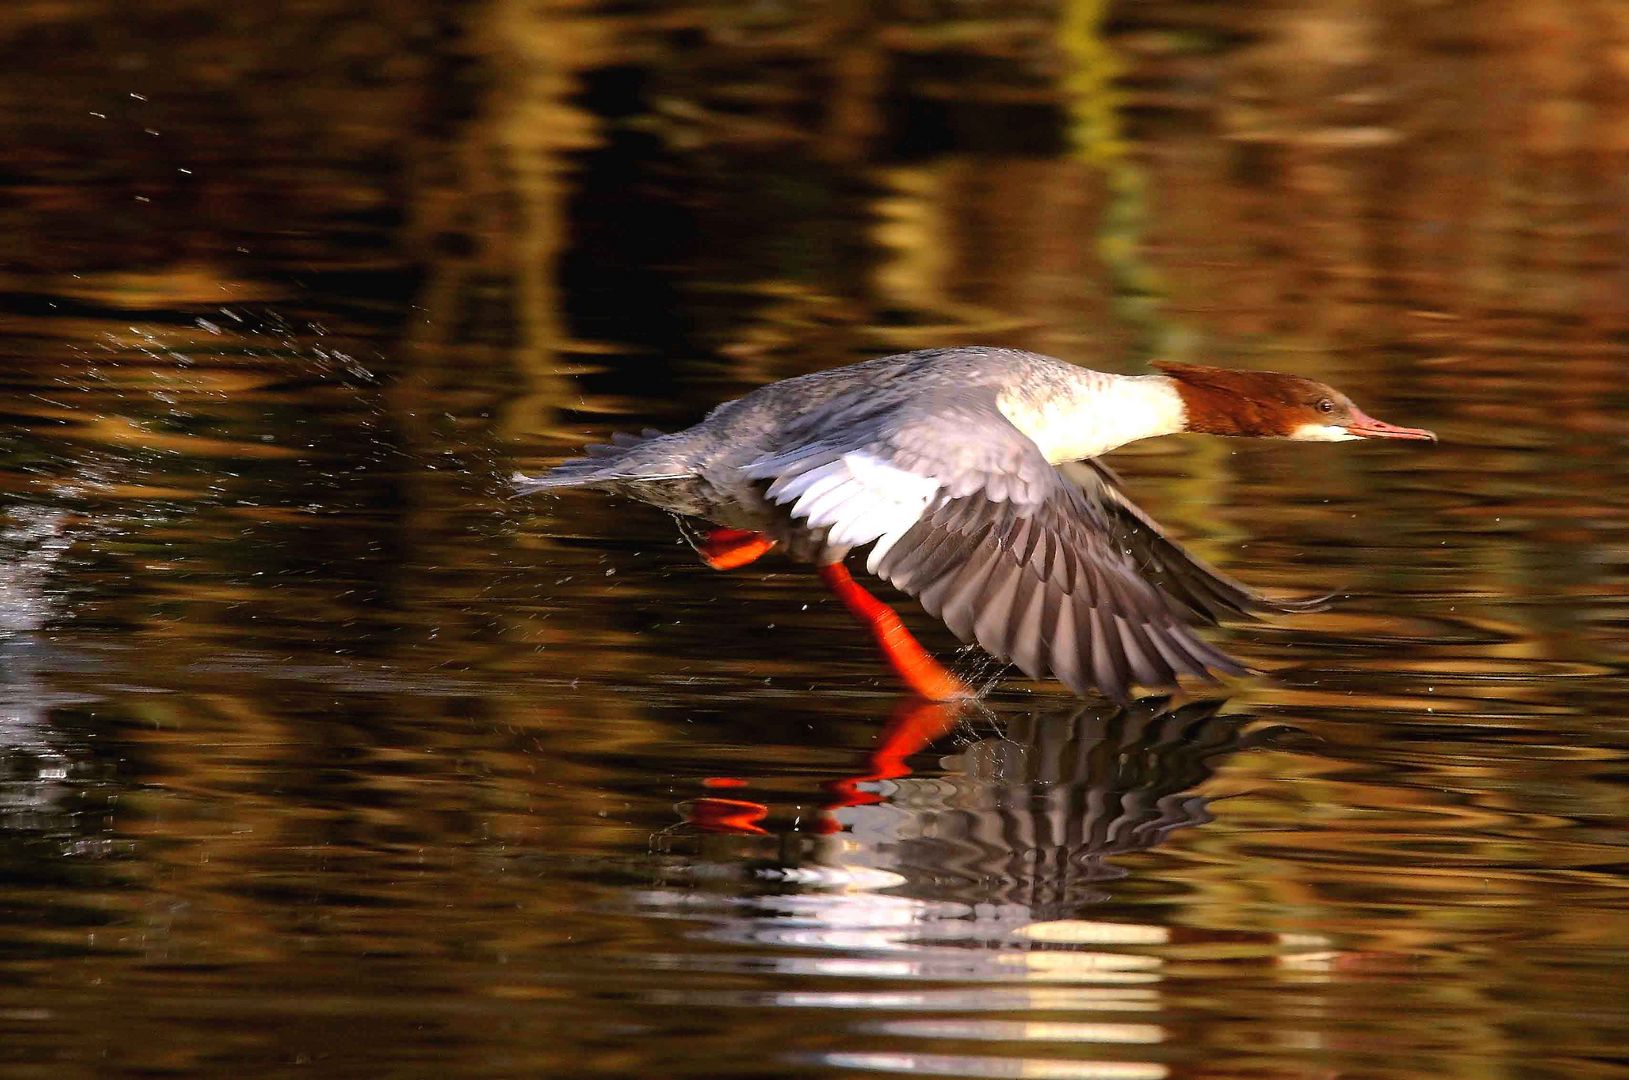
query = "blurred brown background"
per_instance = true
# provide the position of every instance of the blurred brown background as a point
(320, 754)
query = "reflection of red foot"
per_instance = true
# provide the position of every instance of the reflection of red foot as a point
(727, 816)
(728, 549)
(913, 728)
(910, 661)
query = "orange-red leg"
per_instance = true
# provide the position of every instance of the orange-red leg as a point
(728, 549)
(914, 726)
(910, 661)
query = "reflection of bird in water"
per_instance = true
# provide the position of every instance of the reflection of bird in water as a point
(1035, 818)
(971, 473)
(975, 891)
(1028, 821)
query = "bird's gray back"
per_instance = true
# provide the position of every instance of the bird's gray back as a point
(777, 417)
(703, 471)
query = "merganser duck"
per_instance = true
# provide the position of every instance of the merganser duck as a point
(972, 473)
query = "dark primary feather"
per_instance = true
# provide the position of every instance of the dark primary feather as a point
(1043, 587)
(1205, 591)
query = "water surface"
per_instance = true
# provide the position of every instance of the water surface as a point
(319, 754)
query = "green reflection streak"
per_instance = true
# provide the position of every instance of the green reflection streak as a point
(1094, 104)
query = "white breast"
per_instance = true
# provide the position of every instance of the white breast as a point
(1100, 412)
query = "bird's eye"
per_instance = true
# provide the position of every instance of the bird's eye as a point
(1325, 405)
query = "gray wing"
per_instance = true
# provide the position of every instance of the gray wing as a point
(992, 539)
(1206, 592)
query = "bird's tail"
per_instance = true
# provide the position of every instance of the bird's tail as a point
(625, 458)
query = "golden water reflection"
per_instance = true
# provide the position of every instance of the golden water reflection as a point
(318, 752)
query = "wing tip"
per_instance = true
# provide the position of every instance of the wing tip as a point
(1209, 666)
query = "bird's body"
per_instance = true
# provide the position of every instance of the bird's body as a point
(971, 474)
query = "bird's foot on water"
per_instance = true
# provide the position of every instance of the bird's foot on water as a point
(913, 664)
(919, 671)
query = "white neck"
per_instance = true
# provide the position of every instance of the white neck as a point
(1091, 415)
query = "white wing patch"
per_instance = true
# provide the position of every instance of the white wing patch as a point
(858, 498)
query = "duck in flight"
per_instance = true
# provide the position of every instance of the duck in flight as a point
(972, 475)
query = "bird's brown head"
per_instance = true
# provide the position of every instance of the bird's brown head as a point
(1267, 404)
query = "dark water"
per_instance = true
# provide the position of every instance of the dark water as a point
(319, 756)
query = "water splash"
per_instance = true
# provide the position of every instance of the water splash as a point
(33, 542)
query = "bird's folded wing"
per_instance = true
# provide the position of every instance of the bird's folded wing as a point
(969, 517)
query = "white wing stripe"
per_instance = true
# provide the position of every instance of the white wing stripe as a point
(828, 508)
(792, 487)
(815, 492)
(858, 498)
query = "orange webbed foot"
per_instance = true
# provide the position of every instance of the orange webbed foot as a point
(730, 549)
